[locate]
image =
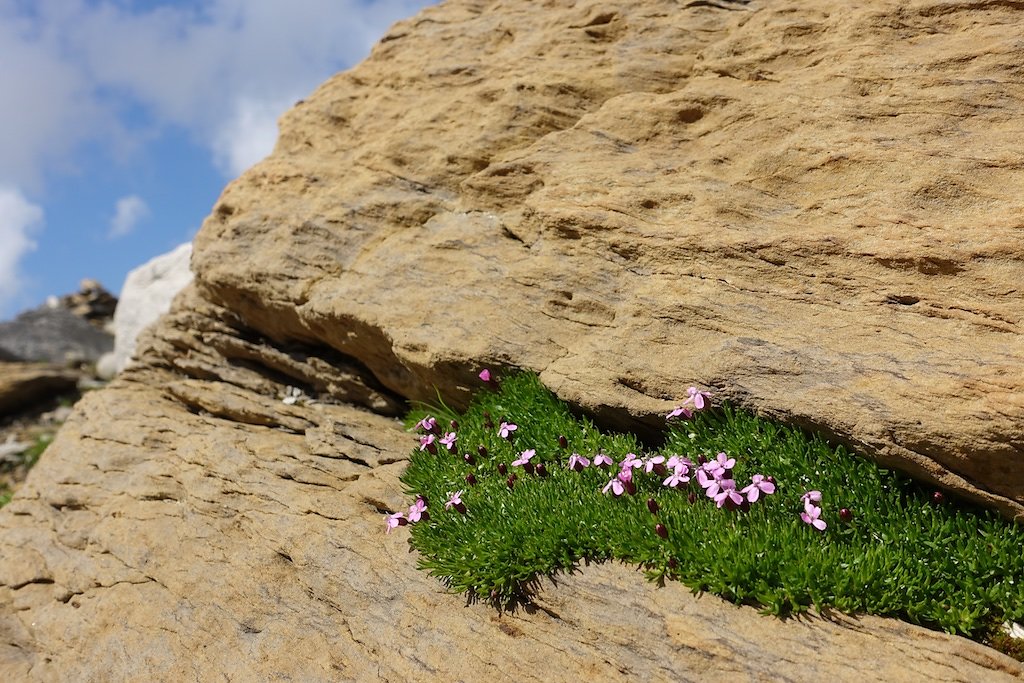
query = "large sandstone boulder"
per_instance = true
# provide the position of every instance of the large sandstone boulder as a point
(810, 208)
(815, 211)
(186, 524)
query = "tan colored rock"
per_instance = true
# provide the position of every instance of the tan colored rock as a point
(23, 384)
(814, 211)
(158, 541)
(629, 198)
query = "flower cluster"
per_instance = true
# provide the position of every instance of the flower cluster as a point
(713, 476)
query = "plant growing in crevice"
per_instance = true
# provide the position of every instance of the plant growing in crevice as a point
(731, 504)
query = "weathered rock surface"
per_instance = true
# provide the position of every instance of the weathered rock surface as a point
(146, 295)
(811, 209)
(161, 540)
(22, 384)
(814, 211)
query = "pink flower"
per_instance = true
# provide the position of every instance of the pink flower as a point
(577, 462)
(449, 440)
(720, 465)
(623, 481)
(657, 462)
(757, 486)
(810, 498)
(679, 476)
(394, 521)
(616, 487)
(427, 424)
(705, 479)
(677, 411)
(506, 429)
(675, 461)
(602, 460)
(812, 515)
(728, 493)
(427, 443)
(696, 398)
(524, 457)
(631, 462)
(418, 510)
(485, 375)
(714, 486)
(455, 501)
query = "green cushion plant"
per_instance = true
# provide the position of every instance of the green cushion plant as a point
(790, 523)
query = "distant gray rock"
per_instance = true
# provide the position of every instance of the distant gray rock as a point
(54, 335)
(146, 295)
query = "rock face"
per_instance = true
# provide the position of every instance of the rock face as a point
(187, 524)
(22, 384)
(146, 295)
(814, 212)
(811, 209)
(91, 302)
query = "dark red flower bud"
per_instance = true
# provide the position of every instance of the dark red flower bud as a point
(502, 469)
(432, 448)
(482, 451)
(652, 505)
(528, 467)
(702, 458)
(511, 481)
(562, 441)
(845, 514)
(672, 564)
(660, 470)
(471, 479)
(424, 516)
(454, 425)
(461, 507)
(469, 459)
(542, 471)
(402, 521)
(630, 487)
(661, 530)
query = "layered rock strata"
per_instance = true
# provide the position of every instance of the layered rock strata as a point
(813, 211)
(810, 209)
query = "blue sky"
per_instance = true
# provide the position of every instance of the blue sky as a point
(124, 119)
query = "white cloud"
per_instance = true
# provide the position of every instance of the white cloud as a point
(48, 107)
(248, 136)
(127, 214)
(79, 71)
(19, 219)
